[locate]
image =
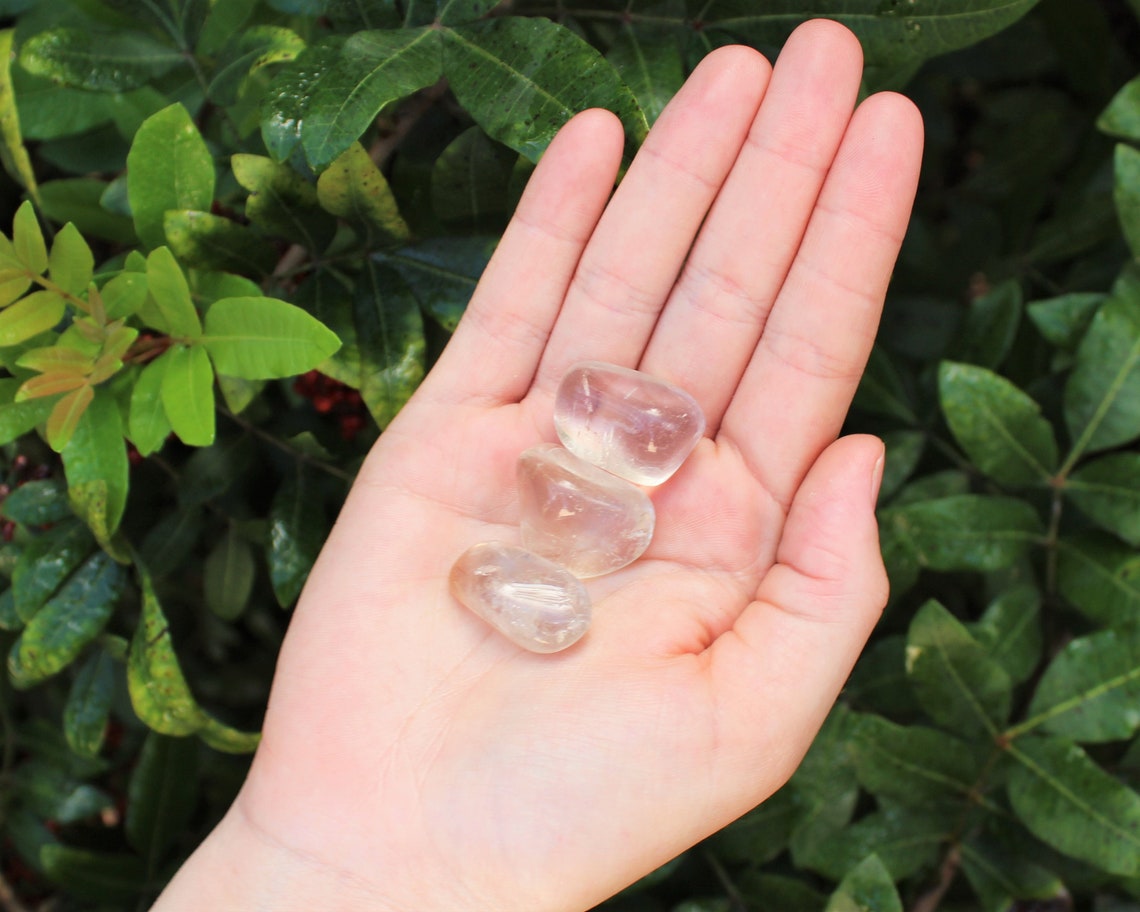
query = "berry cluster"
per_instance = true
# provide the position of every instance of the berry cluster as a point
(330, 397)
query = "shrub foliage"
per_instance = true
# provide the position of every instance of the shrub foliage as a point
(242, 229)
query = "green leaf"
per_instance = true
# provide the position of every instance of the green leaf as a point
(1091, 689)
(188, 394)
(991, 323)
(13, 152)
(67, 622)
(904, 449)
(1101, 577)
(1070, 803)
(826, 789)
(79, 200)
(1122, 116)
(28, 240)
(17, 418)
(1102, 396)
(867, 888)
(353, 188)
(30, 316)
(263, 338)
(521, 79)
(88, 704)
(148, 425)
(226, 739)
(95, 463)
(45, 562)
(283, 203)
(1010, 630)
(101, 61)
(1063, 320)
(1108, 491)
(882, 390)
(906, 839)
(207, 241)
(955, 679)
(763, 833)
(71, 263)
(648, 59)
(297, 529)
(1000, 875)
(111, 877)
(999, 426)
(168, 167)
(169, 307)
(470, 181)
(1127, 194)
(51, 787)
(966, 532)
(913, 764)
(229, 574)
(35, 503)
(170, 541)
(66, 414)
(442, 273)
(162, 796)
(124, 295)
(390, 334)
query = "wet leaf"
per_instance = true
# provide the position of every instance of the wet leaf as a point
(100, 61)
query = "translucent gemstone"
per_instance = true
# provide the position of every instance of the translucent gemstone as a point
(575, 514)
(530, 600)
(626, 422)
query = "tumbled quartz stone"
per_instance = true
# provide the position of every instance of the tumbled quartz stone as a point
(627, 422)
(531, 601)
(579, 516)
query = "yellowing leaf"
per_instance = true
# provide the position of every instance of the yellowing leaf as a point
(13, 151)
(65, 416)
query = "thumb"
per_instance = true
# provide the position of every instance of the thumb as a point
(781, 667)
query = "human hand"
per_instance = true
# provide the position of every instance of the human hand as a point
(413, 758)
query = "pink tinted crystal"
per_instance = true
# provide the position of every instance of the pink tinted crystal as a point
(533, 602)
(627, 422)
(575, 514)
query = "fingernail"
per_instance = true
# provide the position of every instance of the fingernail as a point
(876, 480)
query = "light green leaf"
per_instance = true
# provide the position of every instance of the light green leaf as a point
(162, 796)
(148, 424)
(522, 78)
(263, 338)
(442, 273)
(1102, 396)
(30, 316)
(999, 426)
(13, 152)
(1108, 491)
(648, 59)
(168, 167)
(390, 334)
(297, 529)
(226, 739)
(95, 463)
(1091, 689)
(1101, 577)
(869, 887)
(965, 532)
(1122, 116)
(207, 241)
(28, 240)
(229, 574)
(1010, 630)
(89, 704)
(283, 203)
(66, 415)
(353, 188)
(188, 394)
(169, 307)
(1127, 194)
(124, 295)
(17, 418)
(71, 263)
(1070, 803)
(955, 679)
(67, 622)
(101, 61)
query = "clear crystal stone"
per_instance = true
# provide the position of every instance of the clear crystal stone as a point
(579, 516)
(627, 422)
(533, 602)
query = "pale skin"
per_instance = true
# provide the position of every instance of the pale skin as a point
(415, 760)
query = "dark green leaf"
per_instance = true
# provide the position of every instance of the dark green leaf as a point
(264, 338)
(521, 79)
(101, 876)
(882, 390)
(999, 426)
(1127, 194)
(442, 273)
(95, 463)
(283, 203)
(79, 200)
(1063, 320)
(990, 326)
(903, 451)
(955, 679)
(905, 839)
(358, 15)
(471, 179)
(879, 682)
(297, 529)
(207, 241)
(648, 59)
(1070, 803)
(170, 541)
(1108, 491)
(89, 704)
(229, 574)
(826, 788)
(1000, 875)
(1102, 397)
(1091, 689)
(188, 394)
(1101, 577)
(869, 887)
(101, 61)
(67, 622)
(45, 563)
(453, 12)
(1122, 116)
(35, 503)
(353, 188)
(162, 796)
(1010, 630)
(763, 833)
(965, 532)
(169, 167)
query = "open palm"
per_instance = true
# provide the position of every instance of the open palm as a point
(415, 759)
